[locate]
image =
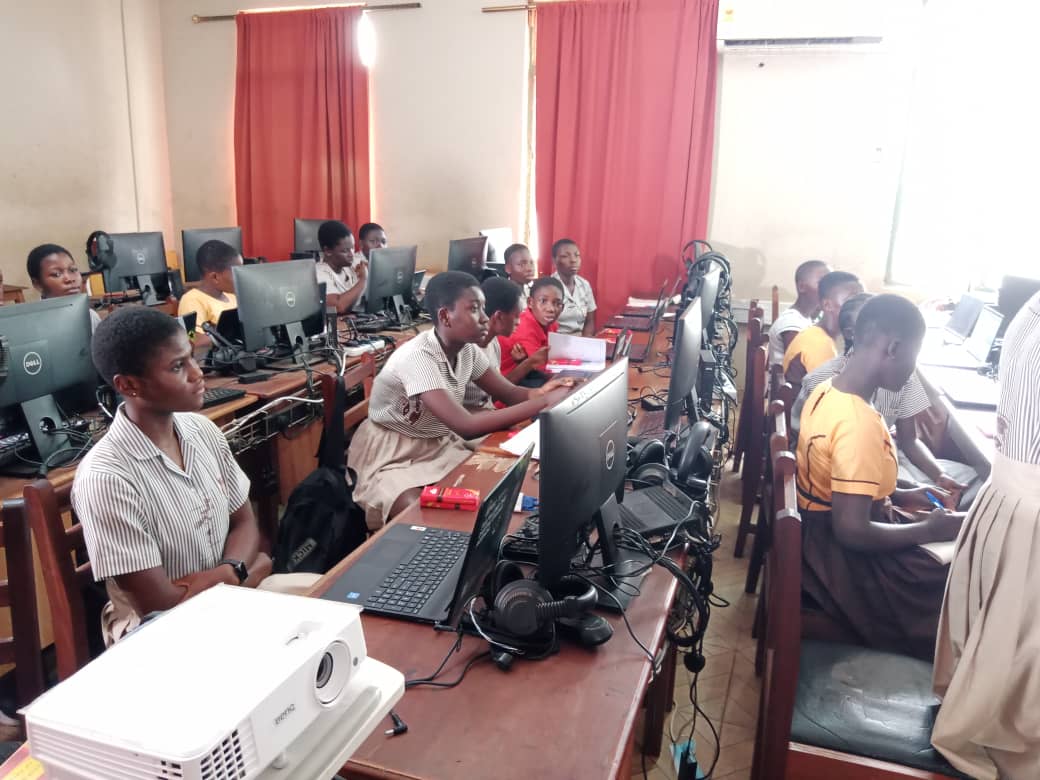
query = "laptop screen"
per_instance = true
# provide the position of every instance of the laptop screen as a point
(486, 540)
(985, 332)
(964, 316)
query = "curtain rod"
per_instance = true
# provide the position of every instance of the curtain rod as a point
(197, 19)
(497, 9)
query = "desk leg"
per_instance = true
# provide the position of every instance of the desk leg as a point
(659, 702)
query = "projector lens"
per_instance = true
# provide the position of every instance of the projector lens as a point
(325, 670)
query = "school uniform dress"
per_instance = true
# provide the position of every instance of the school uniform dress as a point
(336, 282)
(476, 399)
(987, 657)
(577, 305)
(205, 307)
(814, 346)
(140, 510)
(890, 599)
(402, 444)
(787, 321)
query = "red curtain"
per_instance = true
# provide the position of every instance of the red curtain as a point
(625, 119)
(301, 125)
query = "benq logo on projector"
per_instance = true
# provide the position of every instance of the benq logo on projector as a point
(284, 714)
(290, 299)
(32, 363)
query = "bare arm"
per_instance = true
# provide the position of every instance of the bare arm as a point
(853, 518)
(589, 328)
(344, 302)
(787, 337)
(470, 425)
(915, 449)
(528, 364)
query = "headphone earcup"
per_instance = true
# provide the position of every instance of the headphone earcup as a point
(516, 608)
(503, 573)
(651, 474)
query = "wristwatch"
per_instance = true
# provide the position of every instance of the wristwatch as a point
(240, 569)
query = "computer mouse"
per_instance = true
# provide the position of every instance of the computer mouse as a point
(587, 630)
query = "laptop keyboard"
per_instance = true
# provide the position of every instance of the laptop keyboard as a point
(408, 587)
(673, 508)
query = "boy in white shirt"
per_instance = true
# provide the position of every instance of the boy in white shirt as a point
(800, 316)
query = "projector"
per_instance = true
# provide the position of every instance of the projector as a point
(233, 684)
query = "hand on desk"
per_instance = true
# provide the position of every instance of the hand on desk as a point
(555, 390)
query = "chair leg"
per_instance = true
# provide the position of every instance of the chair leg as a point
(758, 547)
(744, 528)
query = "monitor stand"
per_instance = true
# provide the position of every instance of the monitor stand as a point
(401, 312)
(623, 586)
(41, 415)
(148, 296)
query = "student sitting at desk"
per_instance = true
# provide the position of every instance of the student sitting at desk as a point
(579, 304)
(164, 506)
(338, 269)
(899, 408)
(531, 339)
(216, 291)
(371, 236)
(814, 346)
(502, 306)
(987, 657)
(417, 426)
(53, 273)
(792, 321)
(520, 269)
(860, 561)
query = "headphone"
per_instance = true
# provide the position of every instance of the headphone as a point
(101, 254)
(226, 356)
(688, 465)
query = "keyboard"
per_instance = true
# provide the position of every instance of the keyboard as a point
(654, 510)
(372, 324)
(220, 395)
(407, 588)
(523, 545)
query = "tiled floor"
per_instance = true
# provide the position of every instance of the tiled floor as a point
(727, 688)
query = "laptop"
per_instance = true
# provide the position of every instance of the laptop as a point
(648, 311)
(429, 575)
(967, 388)
(974, 352)
(963, 319)
(641, 323)
(637, 353)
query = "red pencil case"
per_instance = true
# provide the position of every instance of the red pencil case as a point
(436, 497)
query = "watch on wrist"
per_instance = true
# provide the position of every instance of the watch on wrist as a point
(240, 569)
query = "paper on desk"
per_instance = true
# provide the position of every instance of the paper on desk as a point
(576, 353)
(518, 444)
(635, 302)
(942, 552)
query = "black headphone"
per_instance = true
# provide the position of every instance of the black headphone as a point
(688, 465)
(101, 255)
(523, 608)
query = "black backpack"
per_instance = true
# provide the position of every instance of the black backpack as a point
(321, 524)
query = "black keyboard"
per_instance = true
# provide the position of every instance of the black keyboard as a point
(220, 395)
(664, 511)
(372, 324)
(408, 587)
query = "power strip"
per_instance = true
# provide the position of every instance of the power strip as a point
(370, 345)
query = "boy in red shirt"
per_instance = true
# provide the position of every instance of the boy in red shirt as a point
(531, 337)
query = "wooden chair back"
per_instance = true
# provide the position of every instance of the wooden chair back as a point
(362, 374)
(755, 338)
(754, 399)
(775, 300)
(785, 394)
(776, 435)
(66, 579)
(18, 594)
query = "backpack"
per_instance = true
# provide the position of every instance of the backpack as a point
(321, 524)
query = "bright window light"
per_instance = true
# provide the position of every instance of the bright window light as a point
(366, 33)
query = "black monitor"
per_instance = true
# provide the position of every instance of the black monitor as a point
(469, 255)
(272, 295)
(391, 271)
(140, 264)
(709, 293)
(305, 236)
(583, 456)
(1015, 292)
(191, 240)
(49, 371)
(682, 384)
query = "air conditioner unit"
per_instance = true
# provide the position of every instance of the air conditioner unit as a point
(748, 24)
(233, 684)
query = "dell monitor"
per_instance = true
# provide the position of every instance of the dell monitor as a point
(709, 293)
(682, 384)
(191, 240)
(273, 295)
(389, 287)
(499, 240)
(305, 236)
(583, 457)
(140, 264)
(46, 346)
(469, 255)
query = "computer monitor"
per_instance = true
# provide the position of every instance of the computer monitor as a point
(47, 351)
(583, 457)
(468, 254)
(709, 293)
(140, 264)
(1015, 292)
(682, 384)
(305, 236)
(389, 288)
(272, 295)
(191, 240)
(499, 240)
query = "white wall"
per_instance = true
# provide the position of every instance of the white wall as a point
(446, 99)
(69, 117)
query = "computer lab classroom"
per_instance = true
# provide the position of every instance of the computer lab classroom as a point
(488, 389)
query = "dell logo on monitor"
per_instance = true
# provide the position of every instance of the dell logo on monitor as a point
(610, 455)
(140, 257)
(290, 299)
(32, 363)
(399, 276)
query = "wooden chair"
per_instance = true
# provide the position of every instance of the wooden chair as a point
(775, 300)
(785, 394)
(66, 580)
(18, 594)
(829, 709)
(754, 456)
(776, 431)
(755, 337)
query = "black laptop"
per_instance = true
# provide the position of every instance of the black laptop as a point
(637, 353)
(427, 574)
(642, 323)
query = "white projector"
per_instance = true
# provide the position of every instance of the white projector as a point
(233, 684)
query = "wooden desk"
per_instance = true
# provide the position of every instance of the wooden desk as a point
(968, 429)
